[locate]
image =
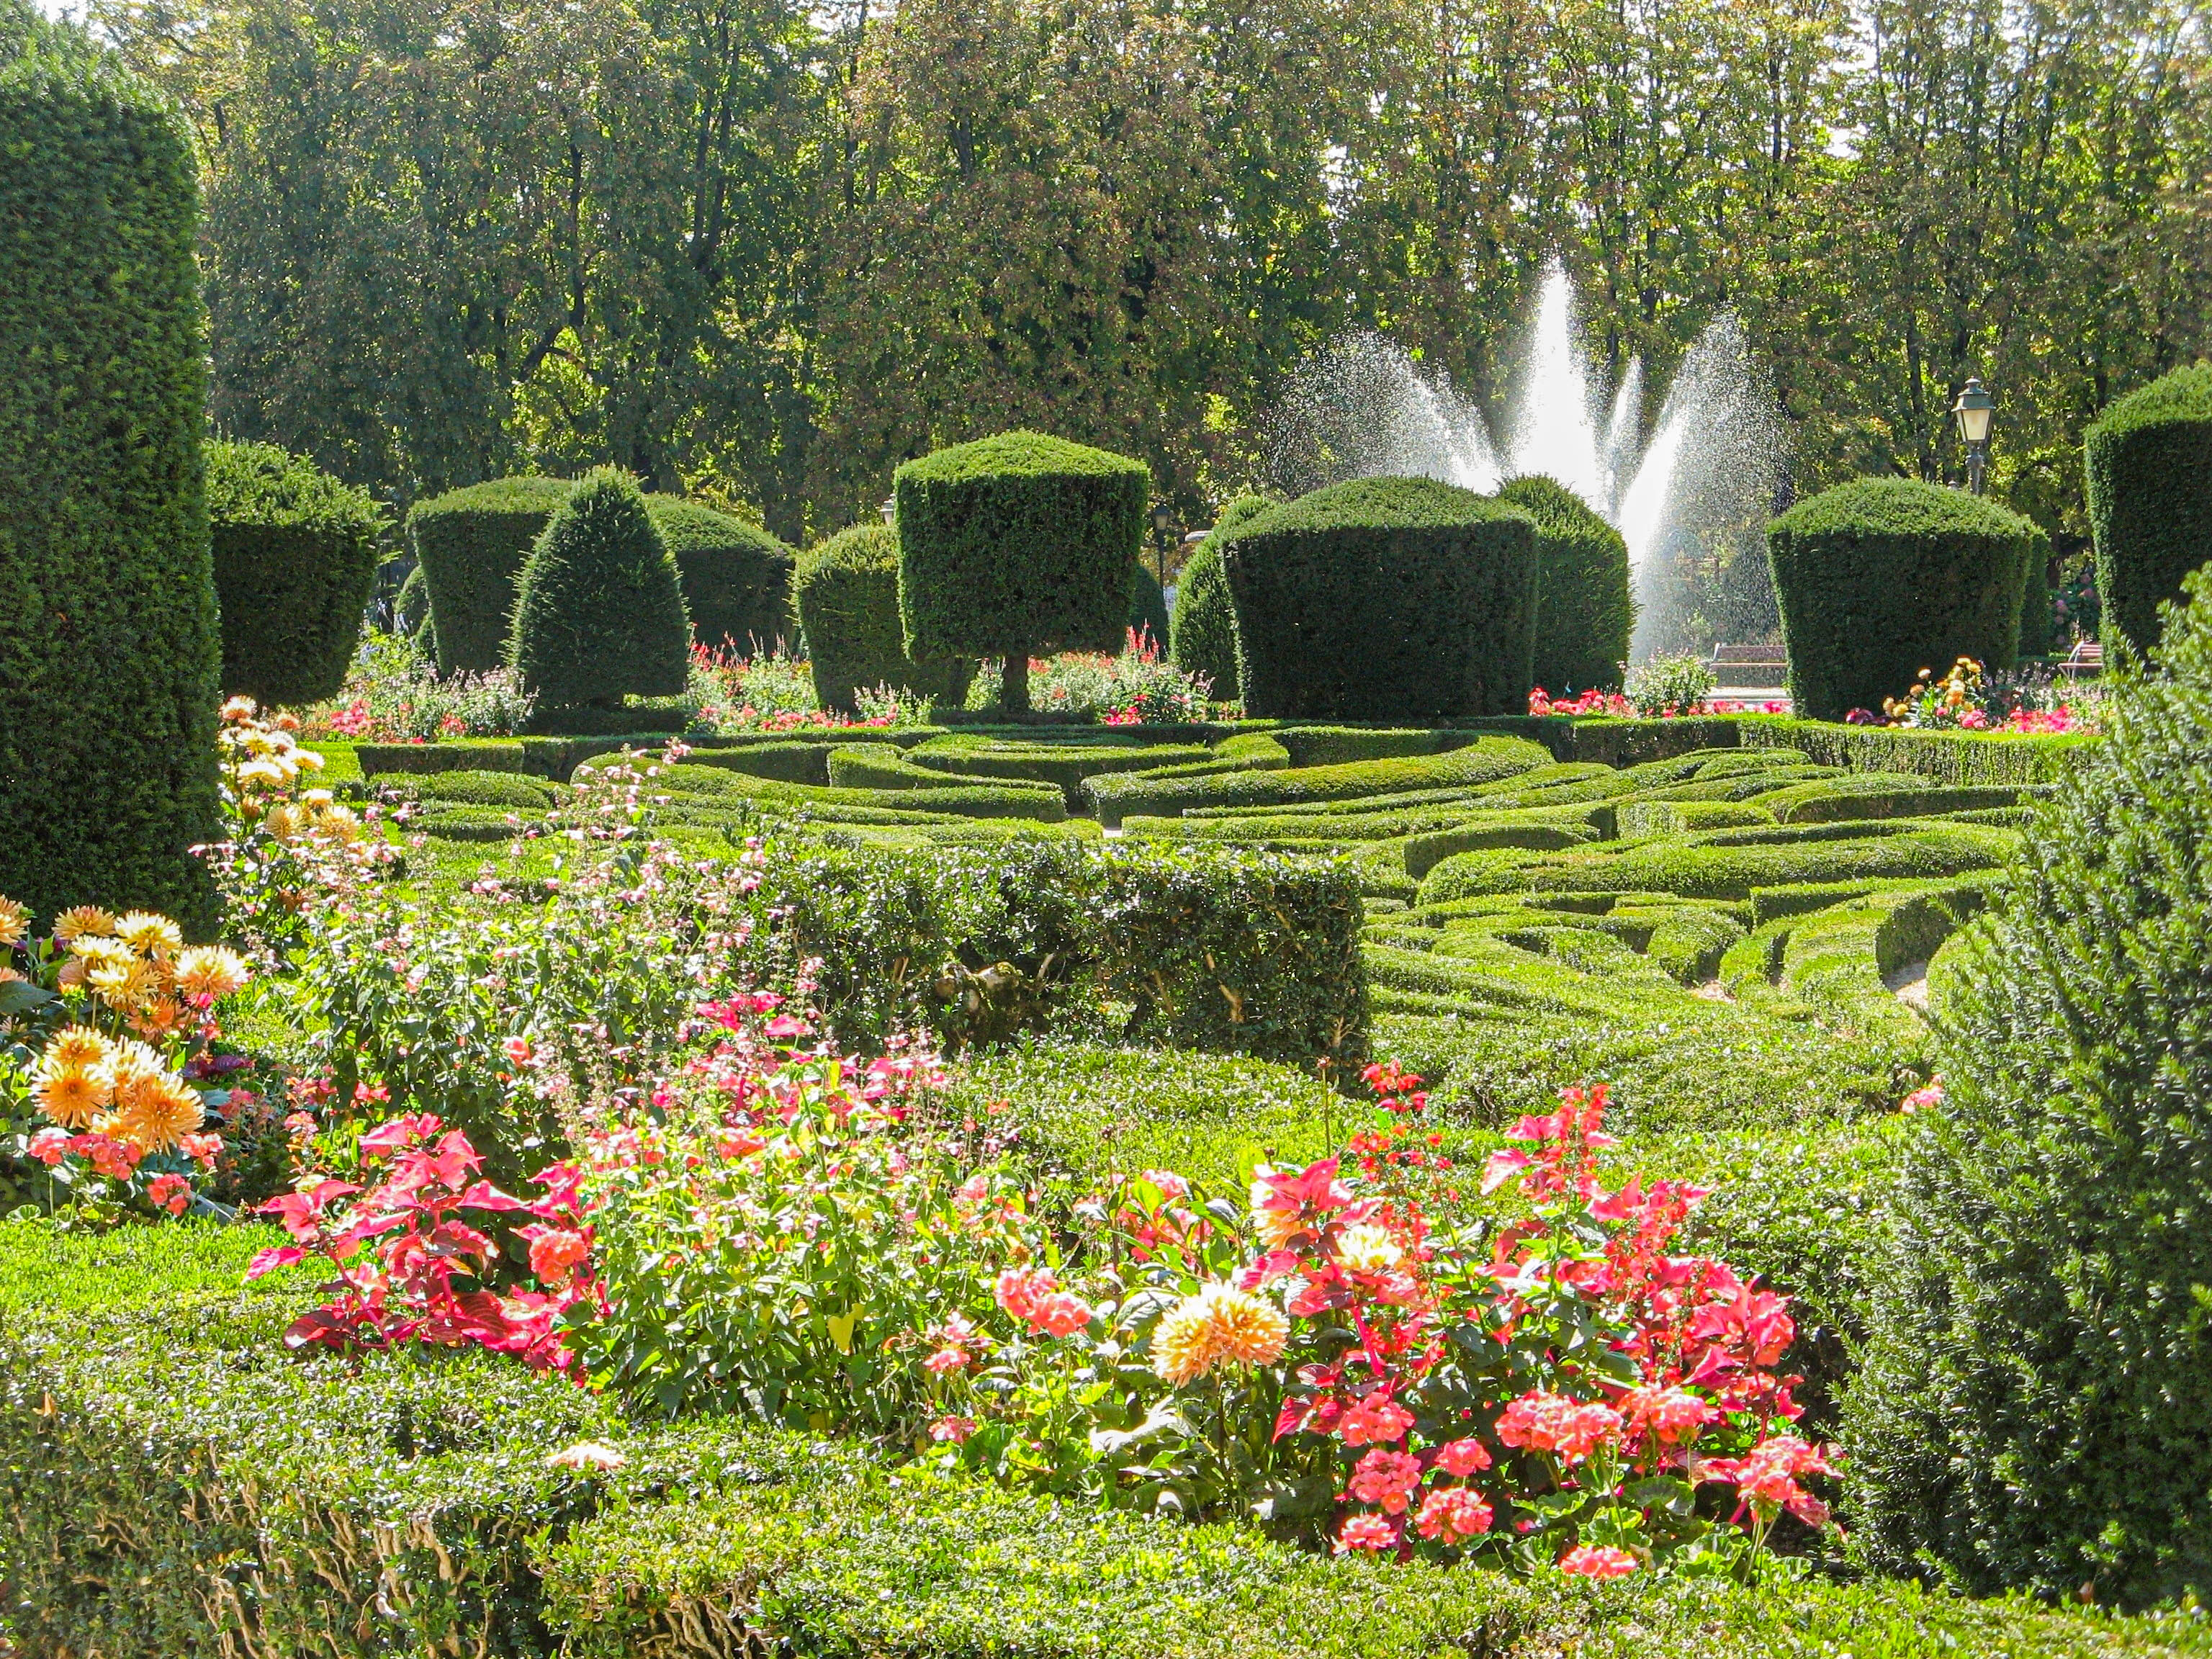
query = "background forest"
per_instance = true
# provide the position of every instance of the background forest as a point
(762, 252)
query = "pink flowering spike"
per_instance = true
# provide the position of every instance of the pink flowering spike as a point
(277, 1255)
(1501, 1167)
(1539, 1129)
(1620, 1206)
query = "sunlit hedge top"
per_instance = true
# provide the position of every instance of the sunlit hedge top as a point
(2149, 460)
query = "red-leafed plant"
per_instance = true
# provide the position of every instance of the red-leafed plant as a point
(410, 1268)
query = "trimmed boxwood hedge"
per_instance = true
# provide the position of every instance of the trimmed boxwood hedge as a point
(470, 544)
(1949, 757)
(2149, 460)
(1015, 546)
(1384, 599)
(1202, 634)
(109, 644)
(845, 591)
(1585, 613)
(598, 609)
(735, 577)
(1881, 578)
(1483, 761)
(295, 557)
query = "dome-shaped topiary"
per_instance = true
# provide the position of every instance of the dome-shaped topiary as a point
(736, 576)
(2149, 458)
(845, 591)
(470, 544)
(1584, 610)
(1202, 634)
(2034, 1405)
(598, 612)
(1881, 578)
(295, 556)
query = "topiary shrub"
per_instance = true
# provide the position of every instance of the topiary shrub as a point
(410, 609)
(1382, 599)
(1148, 608)
(295, 559)
(2034, 1408)
(845, 592)
(109, 647)
(471, 545)
(736, 576)
(1584, 611)
(2035, 613)
(598, 612)
(1016, 545)
(1881, 578)
(2150, 462)
(1202, 633)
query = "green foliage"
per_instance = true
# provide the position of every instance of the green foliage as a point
(2149, 463)
(1882, 577)
(1446, 577)
(1016, 546)
(2035, 1407)
(295, 557)
(411, 605)
(598, 609)
(1485, 759)
(1959, 758)
(735, 577)
(1148, 608)
(462, 755)
(109, 642)
(846, 592)
(467, 788)
(1202, 634)
(471, 545)
(1584, 611)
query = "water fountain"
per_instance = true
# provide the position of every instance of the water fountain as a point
(1707, 472)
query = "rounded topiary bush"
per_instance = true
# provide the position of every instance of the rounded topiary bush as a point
(471, 545)
(109, 647)
(296, 560)
(2149, 461)
(846, 592)
(598, 612)
(735, 577)
(1584, 611)
(1018, 545)
(410, 608)
(1202, 633)
(1881, 578)
(2034, 1404)
(1384, 598)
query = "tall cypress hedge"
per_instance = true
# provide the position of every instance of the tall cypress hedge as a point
(845, 592)
(470, 544)
(1384, 598)
(296, 560)
(1016, 545)
(2034, 1407)
(599, 613)
(1881, 578)
(1202, 633)
(1584, 610)
(2149, 461)
(108, 645)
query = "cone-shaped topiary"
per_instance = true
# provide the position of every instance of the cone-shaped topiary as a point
(471, 544)
(1384, 599)
(598, 612)
(1016, 545)
(1148, 608)
(845, 591)
(411, 608)
(1202, 634)
(2034, 1406)
(1881, 578)
(736, 576)
(294, 563)
(109, 648)
(1584, 611)
(2150, 497)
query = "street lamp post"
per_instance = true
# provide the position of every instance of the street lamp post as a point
(1973, 412)
(1163, 527)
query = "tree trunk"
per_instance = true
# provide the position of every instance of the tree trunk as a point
(1014, 687)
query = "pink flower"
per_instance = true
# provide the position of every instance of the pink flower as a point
(169, 1192)
(1451, 1513)
(49, 1145)
(1020, 1293)
(1597, 1561)
(945, 1360)
(518, 1048)
(1670, 1416)
(1765, 1477)
(1462, 1456)
(1553, 1423)
(115, 1160)
(1366, 1532)
(203, 1150)
(1387, 1480)
(1377, 1420)
(954, 1429)
(1062, 1314)
(556, 1253)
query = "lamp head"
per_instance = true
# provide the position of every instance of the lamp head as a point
(890, 510)
(1163, 518)
(1972, 411)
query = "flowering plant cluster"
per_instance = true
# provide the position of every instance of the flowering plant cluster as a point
(392, 694)
(1139, 686)
(408, 1266)
(111, 1079)
(1592, 702)
(1968, 700)
(769, 691)
(1670, 686)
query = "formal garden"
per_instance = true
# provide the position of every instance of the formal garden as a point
(645, 1090)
